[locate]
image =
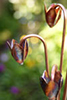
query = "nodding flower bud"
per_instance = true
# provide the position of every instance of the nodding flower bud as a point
(51, 86)
(19, 52)
(52, 15)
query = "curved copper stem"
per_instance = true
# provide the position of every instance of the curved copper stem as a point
(45, 48)
(63, 37)
(63, 40)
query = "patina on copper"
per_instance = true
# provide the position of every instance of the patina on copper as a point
(51, 85)
(52, 15)
(19, 52)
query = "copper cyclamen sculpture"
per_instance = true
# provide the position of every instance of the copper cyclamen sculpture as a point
(50, 85)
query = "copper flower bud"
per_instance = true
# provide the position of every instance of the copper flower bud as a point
(52, 15)
(51, 86)
(56, 76)
(19, 52)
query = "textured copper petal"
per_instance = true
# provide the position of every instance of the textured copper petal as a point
(58, 79)
(50, 17)
(45, 76)
(58, 14)
(24, 45)
(53, 71)
(17, 53)
(56, 76)
(51, 89)
(51, 86)
(20, 51)
(44, 80)
(53, 14)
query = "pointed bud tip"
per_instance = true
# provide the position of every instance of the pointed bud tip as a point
(8, 45)
(21, 63)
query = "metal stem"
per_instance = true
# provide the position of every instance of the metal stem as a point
(45, 48)
(63, 40)
(63, 37)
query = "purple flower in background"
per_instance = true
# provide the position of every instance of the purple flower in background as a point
(2, 67)
(14, 90)
(4, 57)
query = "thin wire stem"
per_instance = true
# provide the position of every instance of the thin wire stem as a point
(63, 37)
(45, 48)
(63, 40)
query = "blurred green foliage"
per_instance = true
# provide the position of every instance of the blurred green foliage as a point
(21, 17)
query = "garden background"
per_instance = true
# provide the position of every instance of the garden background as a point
(19, 18)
